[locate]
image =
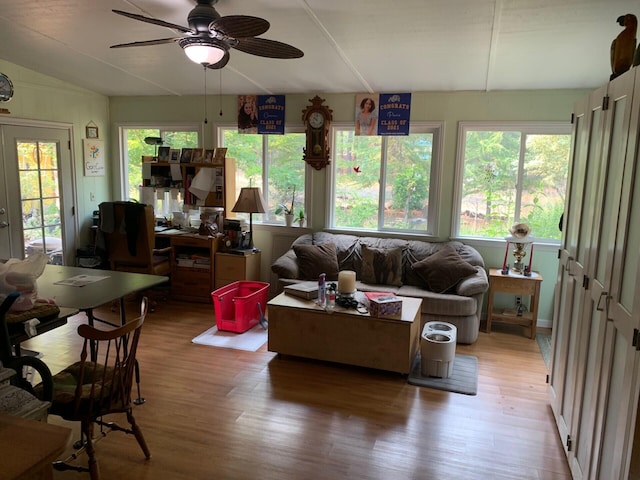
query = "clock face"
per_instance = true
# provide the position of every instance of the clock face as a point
(6, 88)
(316, 119)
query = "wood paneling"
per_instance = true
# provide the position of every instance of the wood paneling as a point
(214, 413)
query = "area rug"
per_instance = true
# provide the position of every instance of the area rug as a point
(251, 340)
(464, 378)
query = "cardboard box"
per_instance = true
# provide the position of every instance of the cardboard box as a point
(384, 305)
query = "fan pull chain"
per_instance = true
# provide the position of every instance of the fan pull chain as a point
(220, 92)
(205, 93)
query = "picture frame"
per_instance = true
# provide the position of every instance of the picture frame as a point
(208, 155)
(185, 157)
(91, 131)
(197, 155)
(163, 154)
(174, 155)
(219, 156)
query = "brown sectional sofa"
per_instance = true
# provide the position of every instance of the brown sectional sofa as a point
(460, 305)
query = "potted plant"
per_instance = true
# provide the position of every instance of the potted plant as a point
(288, 211)
(300, 218)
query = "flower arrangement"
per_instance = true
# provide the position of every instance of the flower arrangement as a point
(282, 207)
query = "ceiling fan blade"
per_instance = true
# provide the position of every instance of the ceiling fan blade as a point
(154, 21)
(239, 26)
(263, 47)
(145, 43)
(221, 63)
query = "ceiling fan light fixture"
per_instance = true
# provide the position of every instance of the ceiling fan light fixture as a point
(202, 51)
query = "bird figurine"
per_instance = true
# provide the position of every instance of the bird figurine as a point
(624, 45)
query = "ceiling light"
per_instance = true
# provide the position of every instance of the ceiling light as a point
(206, 51)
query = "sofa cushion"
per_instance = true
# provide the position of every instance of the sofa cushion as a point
(382, 266)
(441, 303)
(443, 270)
(473, 284)
(316, 259)
(286, 266)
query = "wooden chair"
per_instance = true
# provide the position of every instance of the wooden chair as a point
(129, 237)
(88, 390)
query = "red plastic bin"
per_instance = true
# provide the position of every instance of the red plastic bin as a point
(236, 305)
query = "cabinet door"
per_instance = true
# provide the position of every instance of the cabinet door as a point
(574, 255)
(604, 199)
(620, 387)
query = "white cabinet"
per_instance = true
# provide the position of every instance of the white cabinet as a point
(593, 385)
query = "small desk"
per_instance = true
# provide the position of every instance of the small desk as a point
(515, 284)
(188, 282)
(29, 447)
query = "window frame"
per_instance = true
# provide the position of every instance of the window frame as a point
(437, 128)
(262, 219)
(525, 128)
(122, 182)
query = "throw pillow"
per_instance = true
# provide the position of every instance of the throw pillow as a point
(383, 266)
(316, 259)
(443, 270)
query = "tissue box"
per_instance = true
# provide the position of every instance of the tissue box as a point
(384, 305)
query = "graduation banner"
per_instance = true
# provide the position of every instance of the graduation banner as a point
(367, 114)
(394, 112)
(271, 114)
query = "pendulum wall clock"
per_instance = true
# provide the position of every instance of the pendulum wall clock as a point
(317, 118)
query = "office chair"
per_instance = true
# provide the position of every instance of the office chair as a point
(129, 237)
(88, 390)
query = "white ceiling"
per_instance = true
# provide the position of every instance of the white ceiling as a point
(349, 45)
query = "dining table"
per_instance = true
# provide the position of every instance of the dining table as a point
(88, 288)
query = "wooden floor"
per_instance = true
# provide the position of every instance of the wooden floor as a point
(214, 413)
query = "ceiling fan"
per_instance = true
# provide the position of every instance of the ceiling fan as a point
(209, 37)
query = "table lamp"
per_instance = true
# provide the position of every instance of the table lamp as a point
(249, 201)
(520, 235)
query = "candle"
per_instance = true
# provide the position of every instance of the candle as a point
(530, 257)
(346, 281)
(504, 262)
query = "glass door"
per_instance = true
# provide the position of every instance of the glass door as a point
(38, 203)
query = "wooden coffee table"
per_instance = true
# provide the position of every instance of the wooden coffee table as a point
(300, 327)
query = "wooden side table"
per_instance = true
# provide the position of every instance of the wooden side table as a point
(515, 284)
(231, 268)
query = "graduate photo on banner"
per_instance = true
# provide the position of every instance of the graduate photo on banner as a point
(394, 112)
(367, 114)
(247, 114)
(271, 114)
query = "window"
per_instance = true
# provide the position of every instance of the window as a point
(272, 162)
(511, 173)
(133, 147)
(386, 183)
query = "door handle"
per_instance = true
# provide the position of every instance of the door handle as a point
(599, 304)
(4, 224)
(569, 265)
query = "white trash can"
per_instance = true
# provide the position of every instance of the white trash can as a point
(438, 349)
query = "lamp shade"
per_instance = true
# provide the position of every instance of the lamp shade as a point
(207, 51)
(249, 201)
